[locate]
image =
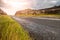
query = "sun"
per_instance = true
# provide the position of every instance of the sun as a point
(16, 4)
(11, 6)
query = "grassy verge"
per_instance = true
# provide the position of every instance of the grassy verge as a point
(11, 30)
(50, 15)
(47, 15)
(41, 15)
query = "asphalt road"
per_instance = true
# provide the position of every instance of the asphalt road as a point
(41, 28)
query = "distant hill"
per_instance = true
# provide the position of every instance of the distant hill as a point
(2, 12)
(27, 12)
(52, 10)
(55, 9)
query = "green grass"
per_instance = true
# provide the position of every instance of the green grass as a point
(11, 30)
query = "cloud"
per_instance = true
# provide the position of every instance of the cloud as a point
(53, 2)
(1, 3)
(37, 4)
(45, 3)
(58, 3)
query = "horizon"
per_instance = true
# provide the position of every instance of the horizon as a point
(11, 6)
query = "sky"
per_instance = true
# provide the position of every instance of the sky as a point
(11, 6)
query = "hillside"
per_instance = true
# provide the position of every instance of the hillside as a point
(52, 10)
(2, 12)
(27, 12)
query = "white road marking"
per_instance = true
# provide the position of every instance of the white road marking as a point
(48, 18)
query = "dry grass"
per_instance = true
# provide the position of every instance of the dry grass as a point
(40, 15)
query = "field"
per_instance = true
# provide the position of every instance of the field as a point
(49, 15)
(11, 30)
(40, 15)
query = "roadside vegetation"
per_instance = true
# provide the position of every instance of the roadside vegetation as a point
(11, 30)
(40, 15)
(49, 15)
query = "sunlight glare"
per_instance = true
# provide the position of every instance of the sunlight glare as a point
(16, 5)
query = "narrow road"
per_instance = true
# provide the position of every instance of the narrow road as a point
(40, 28)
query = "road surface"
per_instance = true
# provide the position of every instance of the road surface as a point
(41, 28)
